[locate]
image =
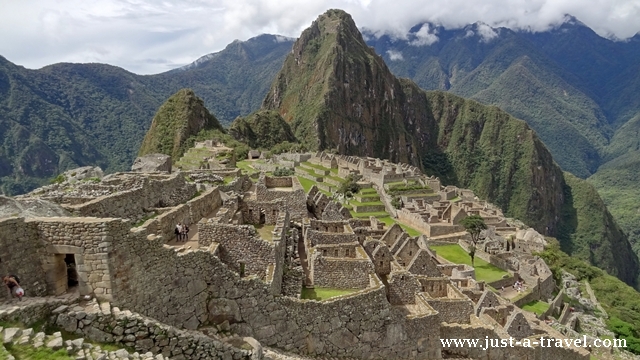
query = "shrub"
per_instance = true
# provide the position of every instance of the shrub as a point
(283, 171)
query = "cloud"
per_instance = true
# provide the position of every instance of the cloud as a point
(425, 36)
(486, 32)
(395, 55)
(128, 33)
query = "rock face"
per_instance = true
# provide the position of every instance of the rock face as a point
(180, 118)
(82, 173)
(337, 93)
(152, 163)
(30, 207)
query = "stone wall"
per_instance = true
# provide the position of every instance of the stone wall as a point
(252, 210)
(341, 273)
(321, 237)
(100, 323)
(296, 200)
(193, 288)
(22, 254)
(403, 287)
(278, 181)
(239, 244)
(454, 307)
(132, 204)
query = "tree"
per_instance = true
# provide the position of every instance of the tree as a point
(350, 185)
(396, 202)
(474, 224)
(472, 253)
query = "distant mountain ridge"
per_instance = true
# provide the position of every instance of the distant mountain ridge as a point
(69, 115)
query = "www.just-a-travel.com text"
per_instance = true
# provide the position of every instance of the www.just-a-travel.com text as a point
(487, 343)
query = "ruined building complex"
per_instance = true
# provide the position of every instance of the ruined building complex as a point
(246, 283)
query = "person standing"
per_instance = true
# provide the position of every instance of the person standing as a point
(13, 285)
(178, 232)
(186, 233)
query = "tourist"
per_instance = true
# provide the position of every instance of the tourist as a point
(178, 232)
(13, 285)
(186, 233)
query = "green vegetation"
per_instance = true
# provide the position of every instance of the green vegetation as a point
(621, 301)
(58, 179)
(617, 182)
(457, 255)
(283, 171)
(390, 221)
(262, 129)
(27, 352)
(182, 116)
(350, 186)
(306, 183)
(537, 307)
(321, 294)
(590, 233)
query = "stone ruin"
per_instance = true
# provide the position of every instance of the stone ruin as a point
(233, 289)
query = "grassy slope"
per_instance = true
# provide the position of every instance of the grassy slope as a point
(457, 255)
(591, 233)
(617, 183)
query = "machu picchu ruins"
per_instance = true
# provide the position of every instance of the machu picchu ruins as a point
(275, 262)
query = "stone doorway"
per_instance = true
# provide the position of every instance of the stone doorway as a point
(72, 272)
(64, 269)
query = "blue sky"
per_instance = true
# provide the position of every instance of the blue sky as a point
(149, 36)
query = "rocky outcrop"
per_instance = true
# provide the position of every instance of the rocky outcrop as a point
(30, 207)
(179, 119)
(152, 163)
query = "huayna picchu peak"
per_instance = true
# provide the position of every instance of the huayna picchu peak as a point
(181, 117)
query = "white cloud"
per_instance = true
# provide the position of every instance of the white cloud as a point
(395, 55)
(150, 36)
(425, 36)
(486, 32)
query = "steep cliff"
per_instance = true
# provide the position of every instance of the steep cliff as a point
(262, 129)
(338, 94)
(182, 116)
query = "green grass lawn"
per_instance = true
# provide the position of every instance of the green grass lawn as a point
(265, 231)
(368, 191)
(306, 183)
(323, 293)
(537, 307)
(245, 166)
(457, 255)
(315, 166)
(26, 352)
(357, 203)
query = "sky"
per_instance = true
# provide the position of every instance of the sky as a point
(152, 36)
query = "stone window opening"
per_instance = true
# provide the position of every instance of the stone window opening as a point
(324, 252)
(410, 253)
(346, 252)
(336, 252)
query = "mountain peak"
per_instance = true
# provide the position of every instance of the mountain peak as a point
(182, 116)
